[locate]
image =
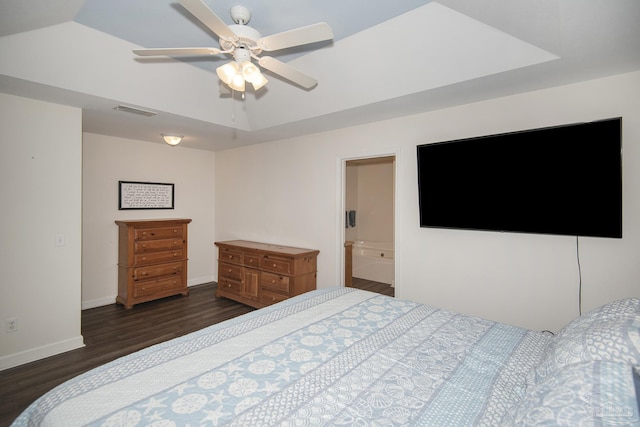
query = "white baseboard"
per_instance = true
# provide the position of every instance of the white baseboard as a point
(98, 302)
(17, 359)
(200, 280)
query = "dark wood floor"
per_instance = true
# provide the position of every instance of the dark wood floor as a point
(370, 285)
(111, 331)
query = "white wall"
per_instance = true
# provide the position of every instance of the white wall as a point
(289, 192)
(374, 214)
(40, 187)
(107, 160)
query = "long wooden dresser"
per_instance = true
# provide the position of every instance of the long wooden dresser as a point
(261, 274)
(152, 260)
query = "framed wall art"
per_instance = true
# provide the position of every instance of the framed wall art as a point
(145, 195)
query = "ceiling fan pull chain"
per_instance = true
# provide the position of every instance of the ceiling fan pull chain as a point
(233, 107)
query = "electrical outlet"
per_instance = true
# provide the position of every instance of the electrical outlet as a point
(11, 324)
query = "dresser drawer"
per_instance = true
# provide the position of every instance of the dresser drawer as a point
(275, 281)
(229, 271)
(151, 287)
(228, 255)
(277, 265)
(157, 245)
(252, 261)
(158, 257)
(157, 233)
(228, 285)
(268, 297)
(171, 268)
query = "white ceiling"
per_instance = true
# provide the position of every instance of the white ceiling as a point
(387, 59)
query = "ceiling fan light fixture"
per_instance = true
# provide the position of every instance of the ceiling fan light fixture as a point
(237, 83)
(250, 71)
(228, 71)
(172, 140)
(236, 74)
(252, 74)
(259, 82)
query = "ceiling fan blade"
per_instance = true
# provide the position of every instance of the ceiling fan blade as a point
(179, 51)
(287, 71)
(296, 37)
(208, 17)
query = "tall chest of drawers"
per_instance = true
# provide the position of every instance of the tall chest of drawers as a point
(261, 274)
(152, 260)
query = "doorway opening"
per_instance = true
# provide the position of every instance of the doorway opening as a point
(369, 223)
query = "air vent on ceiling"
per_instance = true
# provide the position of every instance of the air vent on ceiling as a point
(134, 110)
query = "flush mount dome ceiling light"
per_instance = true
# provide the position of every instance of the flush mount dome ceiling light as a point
(172, 140)
(245, 44)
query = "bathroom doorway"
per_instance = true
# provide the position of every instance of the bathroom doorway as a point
(369, 223)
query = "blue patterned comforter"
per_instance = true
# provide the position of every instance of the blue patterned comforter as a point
(329, 357)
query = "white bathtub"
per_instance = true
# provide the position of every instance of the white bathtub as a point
(373, 261)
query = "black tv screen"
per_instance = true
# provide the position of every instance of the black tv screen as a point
(564, 180)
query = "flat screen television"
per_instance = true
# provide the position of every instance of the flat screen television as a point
(564, 180)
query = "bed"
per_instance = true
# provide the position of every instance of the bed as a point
(348, 357)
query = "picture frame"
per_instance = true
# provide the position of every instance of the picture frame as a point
(137, 195)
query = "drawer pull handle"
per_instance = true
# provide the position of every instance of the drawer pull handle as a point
(230, 256)
(229, 270)
(145, 273)
(250, 261)
(273, 280)
(273, 298)
(175, 231)
(144, 246)
(228, 285)
(175, 254)
(274, 265)
(144, 258)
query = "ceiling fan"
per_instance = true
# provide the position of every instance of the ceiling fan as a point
(245, 43)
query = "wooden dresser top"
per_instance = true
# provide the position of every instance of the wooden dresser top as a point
(269, 248)
(153, 222)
